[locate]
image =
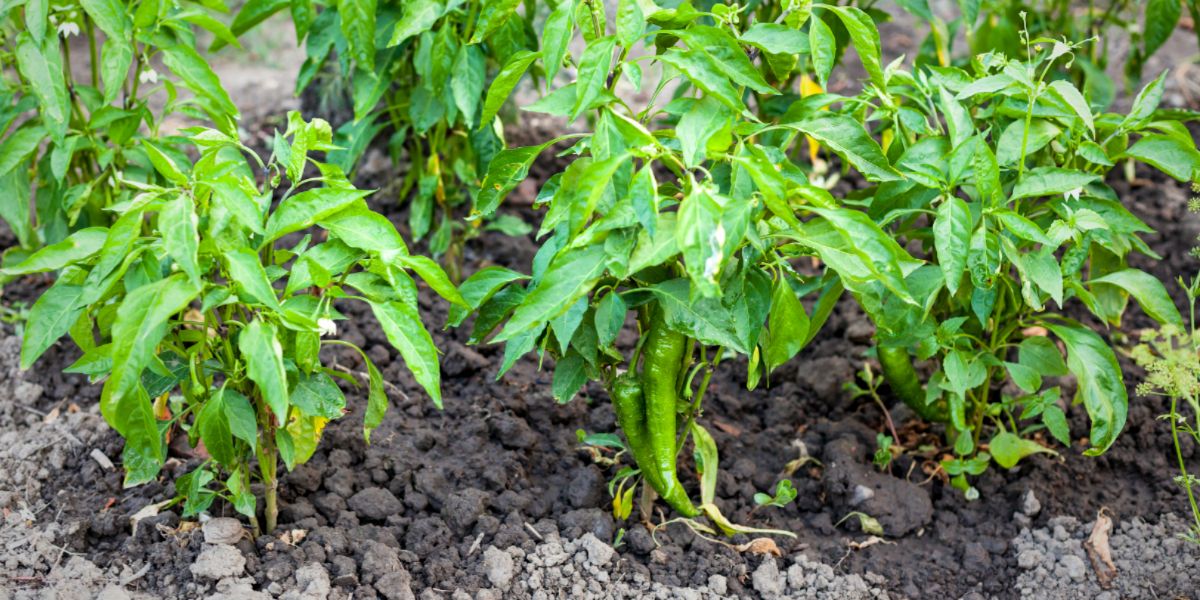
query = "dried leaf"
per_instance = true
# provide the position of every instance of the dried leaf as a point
(760, 545)
(150, 510)
(1099, 551)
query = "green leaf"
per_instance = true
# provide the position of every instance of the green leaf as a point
(1043, 268)
(19, 145)
(116, 57)
(556, 37)
(1149, 292)
(214, 431)
(504, 83)
(143, 453)
(50, 317)
(178, 222)
(1040, 354)
(1145, 103)
(1160, 20)
(479, 288)
(78, 246)
(823, 47)
(316, 395)
(41, 67)
(260, 348)
(1013, 140)
(704, 74)
(163, 164)
(703, 249)
(865, 37)
(140, 324)
(1068, 93)
(492, 16)
(789, 325)
(358, 27)
(467, 81)
(1100, 384)
(506, 170)
(404, 330)
(568, 278)
(418, 17)
(303, 210)
(199, 77)
(36, 17)
(952, 239)
(1050, 181)
(570, 374)
(610, 318)
(1008, 449)
(594, 68)
(246, 271)
(377, 400)
(704, 319)
(252, 13)
(1056, 422)
(724, 52)
(631, 23)
(240, 416)
(776, 38)
(1021, 226)
(706, 118)
(1026, 378)
(1168, 154)
(362, 228)
(849, 140)
(433, 275)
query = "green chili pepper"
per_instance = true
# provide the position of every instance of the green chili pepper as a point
(629, 404)
(663, 355)
(902, 377)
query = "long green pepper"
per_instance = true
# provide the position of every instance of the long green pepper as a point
(662, 356)
(902, 377)
(630, 406)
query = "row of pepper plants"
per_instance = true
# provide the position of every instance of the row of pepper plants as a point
(201, 281)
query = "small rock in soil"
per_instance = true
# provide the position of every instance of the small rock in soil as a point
(222, 530)
(396, 585)
(1030, 506)
(498, 566)
(218, 561)
(766, 579)
(375, 504)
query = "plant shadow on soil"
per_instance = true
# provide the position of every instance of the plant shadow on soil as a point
(502, 462)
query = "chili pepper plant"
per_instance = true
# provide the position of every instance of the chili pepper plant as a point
(1135, 30)
(687, 215)
(1003, 190)
(97, 121)
(417, 74)
(205, 309)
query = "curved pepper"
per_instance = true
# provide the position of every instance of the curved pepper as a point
(629, 404)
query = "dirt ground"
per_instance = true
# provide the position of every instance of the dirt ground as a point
(492, 497)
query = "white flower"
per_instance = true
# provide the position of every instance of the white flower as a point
(1073, 194)
(68, 29)
(326, 327)
(148, 76)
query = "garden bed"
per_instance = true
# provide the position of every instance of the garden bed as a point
(439, 495)
(495, 497)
